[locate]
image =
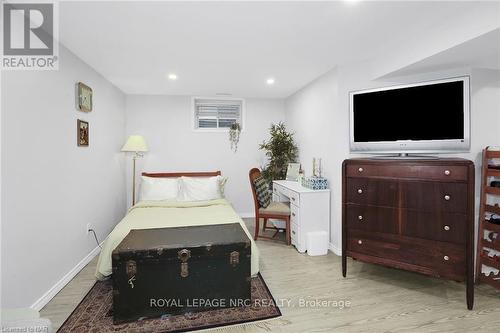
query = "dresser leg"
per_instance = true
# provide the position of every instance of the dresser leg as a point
(344, 264)
(470, 293)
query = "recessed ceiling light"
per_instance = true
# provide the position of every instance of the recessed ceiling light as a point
(172, 76)
(270, 81)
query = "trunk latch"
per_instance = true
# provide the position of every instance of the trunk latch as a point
(183, 256)
(234, 258)
(131, 270)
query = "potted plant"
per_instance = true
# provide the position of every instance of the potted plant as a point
(281, 150)
(234, 136)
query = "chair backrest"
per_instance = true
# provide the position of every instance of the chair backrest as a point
(252, 175)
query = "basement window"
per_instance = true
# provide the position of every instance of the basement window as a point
(217, 113)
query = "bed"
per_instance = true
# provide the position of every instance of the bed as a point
(167, 214)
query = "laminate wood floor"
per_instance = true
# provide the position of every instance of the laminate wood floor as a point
(380, 299)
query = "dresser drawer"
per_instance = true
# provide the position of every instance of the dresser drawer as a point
(440, 226)
(370, 218)
(435, 196)
(443, 259)
(365, 191)
(434, 172)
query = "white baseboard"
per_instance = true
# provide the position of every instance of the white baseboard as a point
(335, 249)
(42, 301)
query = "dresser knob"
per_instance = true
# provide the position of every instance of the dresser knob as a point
(446, 227)
(293, 214)
(360, 169)
(447, 197)
(360, 217)
(360, 191)
(360, 242)
(293, 232)
(446, 258)
(447, 172)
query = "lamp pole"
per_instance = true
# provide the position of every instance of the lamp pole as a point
(135, 144)
(134, 158)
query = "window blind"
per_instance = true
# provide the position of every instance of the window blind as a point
(214, 113)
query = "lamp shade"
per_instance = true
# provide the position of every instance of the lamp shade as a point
(135, 143)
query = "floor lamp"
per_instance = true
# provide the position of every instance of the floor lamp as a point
(135, 144)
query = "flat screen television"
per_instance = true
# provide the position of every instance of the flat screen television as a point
(425, 117)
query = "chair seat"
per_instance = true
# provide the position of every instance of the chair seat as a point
(276, 208)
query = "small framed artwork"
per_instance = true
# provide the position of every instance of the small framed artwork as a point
(83, 133)
(83, 97)
(292, 172)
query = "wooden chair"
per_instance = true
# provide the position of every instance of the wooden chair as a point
(275, 210)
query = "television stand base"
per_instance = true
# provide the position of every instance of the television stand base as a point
(404, 156)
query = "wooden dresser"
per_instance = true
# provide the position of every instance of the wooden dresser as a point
(416, 215)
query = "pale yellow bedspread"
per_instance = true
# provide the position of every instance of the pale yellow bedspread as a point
(159, 214)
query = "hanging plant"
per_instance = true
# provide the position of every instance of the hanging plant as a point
(234, 136)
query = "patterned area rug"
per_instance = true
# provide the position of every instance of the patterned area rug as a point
(94, 314)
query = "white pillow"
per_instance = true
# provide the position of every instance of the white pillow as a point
(201, 188)
(155, 189)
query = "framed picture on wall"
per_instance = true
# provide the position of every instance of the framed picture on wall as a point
(83, 97)
(82, 133)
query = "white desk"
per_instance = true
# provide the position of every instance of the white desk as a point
(310, 210)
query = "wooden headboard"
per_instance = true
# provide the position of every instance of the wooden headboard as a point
(180, 174)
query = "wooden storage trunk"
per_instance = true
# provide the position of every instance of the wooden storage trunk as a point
(178, 270)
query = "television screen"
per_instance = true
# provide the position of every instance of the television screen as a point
(427, 114)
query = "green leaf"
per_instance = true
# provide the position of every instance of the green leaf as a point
(281, 150)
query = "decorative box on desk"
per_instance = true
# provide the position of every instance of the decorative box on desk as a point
(315, 183)
(310, 210)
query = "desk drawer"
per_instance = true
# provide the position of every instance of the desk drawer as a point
(294, 233)
(433, 172)
(294, 214)
(278, 189)
(282, 191)
(294, 198)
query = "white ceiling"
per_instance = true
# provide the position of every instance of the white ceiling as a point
(480, 52)
(233, 47)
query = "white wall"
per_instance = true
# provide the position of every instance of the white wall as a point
(319, 114)
(50, 187)
(166, 124)
(312, 113)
